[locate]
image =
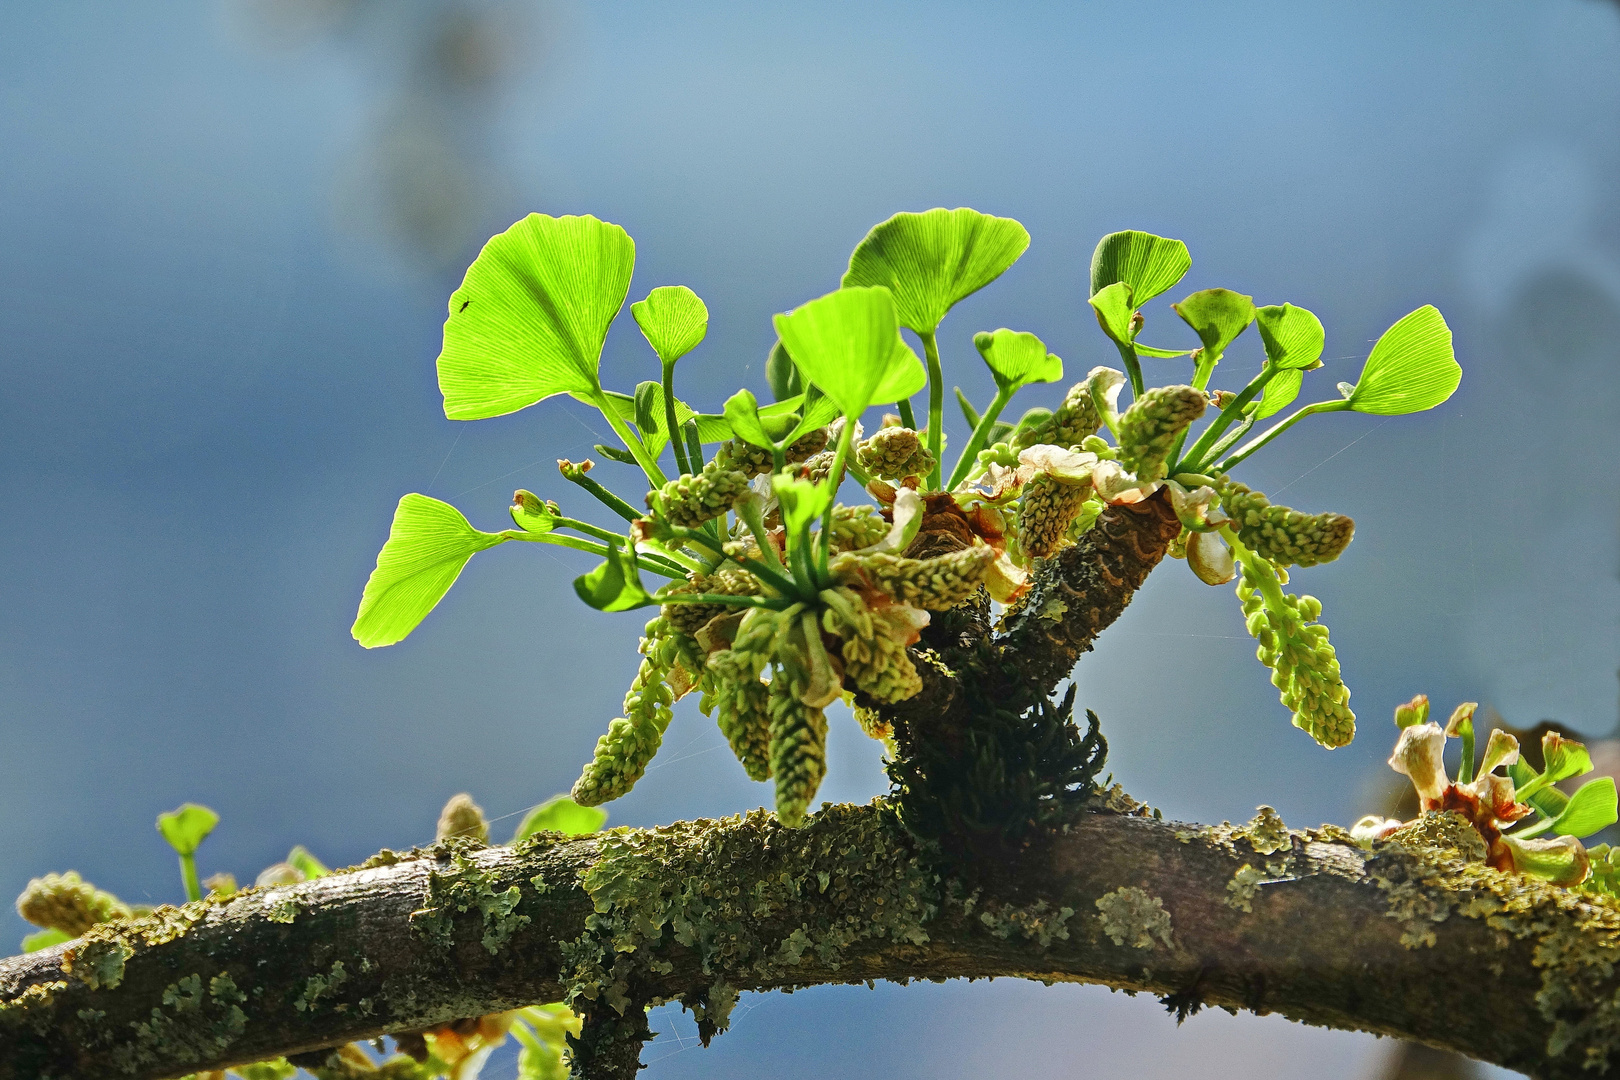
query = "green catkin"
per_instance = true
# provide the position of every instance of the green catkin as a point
(68, 903)
(855, 527)
(1284, 536)
(1046, 509)
(690, 500)
(631, 741)
(1073, 421)
(734, 695)
(798, 747)
(1304, 667)
(755, 461)
(936, 584)
(1149, 428)
(894, 453)
(877, 664)
(690, 618)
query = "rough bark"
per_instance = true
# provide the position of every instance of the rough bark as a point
(1410, 942)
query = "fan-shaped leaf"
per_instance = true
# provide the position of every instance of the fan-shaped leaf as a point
(1280, 391)
(1017, 359)
(1411, 368)
(931, 260)
(1292, 335)
(532, 313)
(743, 414)
(564, 815)
(427, 546)
(186, 828)
(783, 374)
(802, 501)
(615, 585)
(673, 319)
(1114, 310)
(1148, 264)
(1591, 809)
(1217, 316)
(905, 376)
(846, 342)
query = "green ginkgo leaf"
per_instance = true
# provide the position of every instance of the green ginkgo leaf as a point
(1148, 264)
(1591, 809)
(44, 939)
(615, 585)
(802, 501)
(905, 376)
(186, 828)
(1412, 367)
(1549, 801)
(816, 409)
(846, 343)
(929, 261)
(673, 319)
(743, 414)
(300, 859)
(1217, 316)
(564, 815)
(783, 374)
(428, 544)
(1114, 308)
(1280, 391)
(1017, 359)
(531, 315)
(1293, 336)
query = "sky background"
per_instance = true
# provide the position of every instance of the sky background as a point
(228, 230)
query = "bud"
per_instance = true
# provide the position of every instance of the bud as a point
(278, 874)
(1413, 712)
(1462, 719)
(895, 453)
(461, 817)
(1372, 827)
(68, 903)
(1151, 425)
(1420, 755)
(1561, 860)
(220, 884)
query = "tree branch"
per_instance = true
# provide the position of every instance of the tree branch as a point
(1410, 942)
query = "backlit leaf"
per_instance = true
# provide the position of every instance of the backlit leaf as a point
(931, 260)
(1292, 335)
(187, 827)
(613, 586)
(1149, 264)
(782, 373)
(1591, 809)
(1114, 310)
(742, 413)
(1217, 316)
(1017, 359)
(1411, 368)
(532, 313)
(531, 514)
(564, 815)
(44, 940)
(673, 320)
(301, 860)
(428, 544)
(1279, 392)
(846, 342)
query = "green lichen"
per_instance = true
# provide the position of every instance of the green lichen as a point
(99, 964)
(1243, 887)
(284, 910)
(467, 886)
(1266, 832)
(188, 1026)
(319, 986)
(1134, 916)
(752, 898)
(1038, 922)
